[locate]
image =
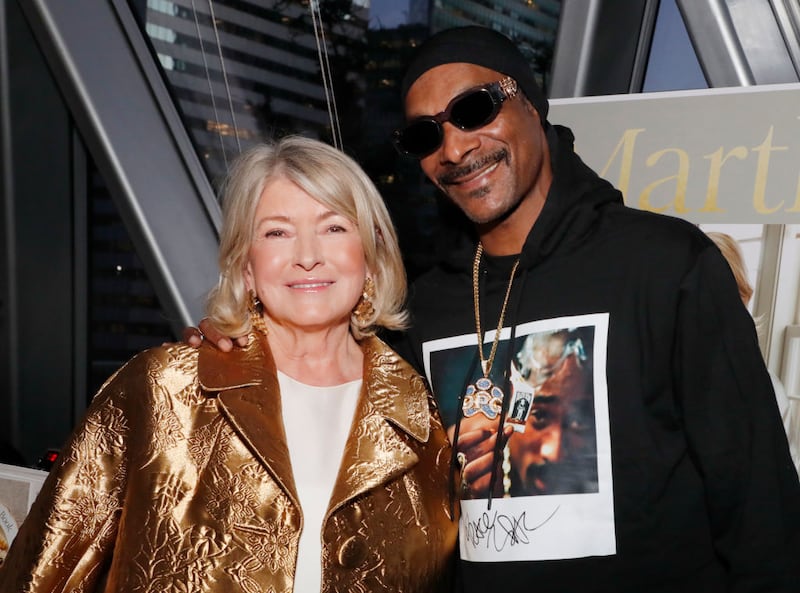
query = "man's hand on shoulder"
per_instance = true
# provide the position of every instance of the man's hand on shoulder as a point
(194, 337)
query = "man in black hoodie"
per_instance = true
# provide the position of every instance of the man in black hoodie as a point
(653, 459)
(667, 468)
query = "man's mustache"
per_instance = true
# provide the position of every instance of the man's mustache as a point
(453, 174)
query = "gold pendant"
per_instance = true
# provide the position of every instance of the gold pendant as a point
(482, 396)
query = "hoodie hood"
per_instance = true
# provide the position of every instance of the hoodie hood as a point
(573, 203)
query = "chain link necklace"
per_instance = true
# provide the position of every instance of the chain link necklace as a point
(483, 396)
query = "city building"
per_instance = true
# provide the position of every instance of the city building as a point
(245, 70)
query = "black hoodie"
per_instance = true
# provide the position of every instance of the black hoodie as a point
(679, 477)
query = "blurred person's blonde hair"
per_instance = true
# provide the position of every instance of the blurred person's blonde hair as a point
(333, 179)
(733, 254)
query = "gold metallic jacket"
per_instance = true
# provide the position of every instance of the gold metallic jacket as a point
(179, 481)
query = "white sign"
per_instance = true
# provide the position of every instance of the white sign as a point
(711, 156)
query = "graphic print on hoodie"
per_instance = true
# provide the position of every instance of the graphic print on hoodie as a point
(554, 475)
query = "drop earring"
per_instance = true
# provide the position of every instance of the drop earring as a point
(364, 310)
(256, 309)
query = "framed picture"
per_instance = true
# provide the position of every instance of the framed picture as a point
(18, 489)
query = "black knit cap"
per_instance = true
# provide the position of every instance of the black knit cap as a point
(482, 47)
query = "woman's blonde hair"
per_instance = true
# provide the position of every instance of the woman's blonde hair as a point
(333, 179)
(733, 255)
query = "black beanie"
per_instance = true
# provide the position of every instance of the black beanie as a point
(482, 47)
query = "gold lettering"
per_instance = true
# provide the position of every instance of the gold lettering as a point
(718, 159)
(796, 207)
(681, 178)
(762, 171)
(626, 145)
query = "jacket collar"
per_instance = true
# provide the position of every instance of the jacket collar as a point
(386, 374)
(241, 367)
(245, 383)
(393, 403)
(396, 391)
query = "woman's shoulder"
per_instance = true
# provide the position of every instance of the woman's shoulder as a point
(172, 364)
(168, 357)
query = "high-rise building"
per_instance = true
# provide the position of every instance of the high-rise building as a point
(242, 70)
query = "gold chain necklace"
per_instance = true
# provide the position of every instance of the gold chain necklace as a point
(483, 395)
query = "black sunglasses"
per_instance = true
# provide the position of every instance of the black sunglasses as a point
(470, 110)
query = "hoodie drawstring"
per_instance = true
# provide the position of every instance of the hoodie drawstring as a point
(499, 444)
(514, 306)
(459, 415)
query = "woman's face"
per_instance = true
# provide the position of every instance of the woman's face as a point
(306, 262)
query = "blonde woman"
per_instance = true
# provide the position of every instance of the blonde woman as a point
(311, 460)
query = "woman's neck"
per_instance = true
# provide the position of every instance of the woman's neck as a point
(322, 358)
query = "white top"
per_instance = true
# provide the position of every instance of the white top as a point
(317, 422)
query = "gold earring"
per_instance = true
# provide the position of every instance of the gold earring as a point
(364, 310)
(256, 310)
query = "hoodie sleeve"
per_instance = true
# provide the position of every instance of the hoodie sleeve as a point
(735, 433)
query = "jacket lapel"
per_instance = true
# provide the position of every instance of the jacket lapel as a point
(249, 397)
(392, 408)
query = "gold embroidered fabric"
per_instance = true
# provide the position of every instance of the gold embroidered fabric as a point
(179, 481)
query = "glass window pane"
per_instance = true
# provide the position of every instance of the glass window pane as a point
(241, 71)
(124, 313)
(673, 64)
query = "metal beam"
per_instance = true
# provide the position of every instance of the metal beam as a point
(9, 382)
(133, 131)
(716, 42)
(787, 14)
(602, 47)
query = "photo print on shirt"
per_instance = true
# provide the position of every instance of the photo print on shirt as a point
(557, 497)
